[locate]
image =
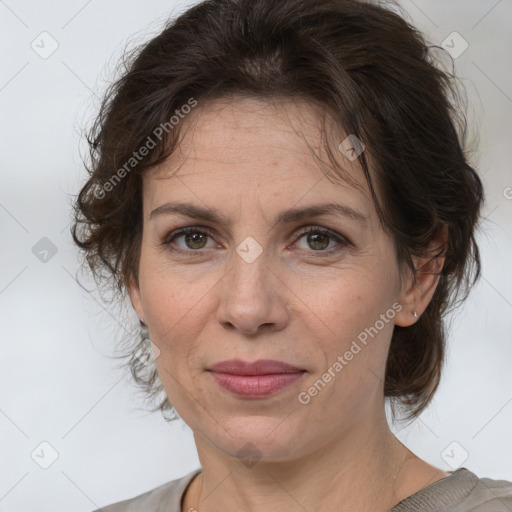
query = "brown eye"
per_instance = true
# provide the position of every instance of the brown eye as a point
(319, 239)
(193, 240)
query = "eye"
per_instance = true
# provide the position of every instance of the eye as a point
(194, 240)
(318, 239)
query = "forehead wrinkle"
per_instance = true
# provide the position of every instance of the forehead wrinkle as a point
(285, 113)
(315, 147)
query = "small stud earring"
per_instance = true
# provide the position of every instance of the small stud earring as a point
(415, 315)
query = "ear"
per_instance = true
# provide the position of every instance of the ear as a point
(418, 289)
(134, 292)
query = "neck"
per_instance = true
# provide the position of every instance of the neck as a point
(361, 470)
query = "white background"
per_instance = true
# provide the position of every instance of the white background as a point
(57, 382)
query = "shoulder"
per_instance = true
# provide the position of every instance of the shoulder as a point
(166, 497)
(462, 491)
(488, 495)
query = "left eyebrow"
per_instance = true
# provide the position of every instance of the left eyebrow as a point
(284, 217)
(298, 214)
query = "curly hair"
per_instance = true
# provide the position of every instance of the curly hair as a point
(375, 75)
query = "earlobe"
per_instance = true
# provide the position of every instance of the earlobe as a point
(417, 298)
(420, 288)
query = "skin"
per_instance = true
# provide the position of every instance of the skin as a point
(300, 302)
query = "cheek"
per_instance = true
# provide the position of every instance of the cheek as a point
(167, 293)
(351, 379)
(172, 304)
(344, 302)
(174, 311)
(355, 322)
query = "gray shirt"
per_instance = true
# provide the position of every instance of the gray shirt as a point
(462, 491)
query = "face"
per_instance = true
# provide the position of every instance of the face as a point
(319, 291)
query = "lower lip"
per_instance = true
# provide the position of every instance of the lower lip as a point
(255, 385)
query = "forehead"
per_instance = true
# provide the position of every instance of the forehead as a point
(255, 147)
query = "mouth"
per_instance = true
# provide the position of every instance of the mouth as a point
(259, 367)
(255, 379)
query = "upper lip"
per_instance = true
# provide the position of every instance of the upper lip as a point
(259, 367)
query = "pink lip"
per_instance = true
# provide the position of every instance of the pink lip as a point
(259, 367)
(257, 379)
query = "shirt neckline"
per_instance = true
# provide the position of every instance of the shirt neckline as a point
(448, 491)
(445, 492)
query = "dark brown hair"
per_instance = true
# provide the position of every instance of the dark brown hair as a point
(375, 75)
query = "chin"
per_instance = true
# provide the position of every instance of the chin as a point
(259, 437)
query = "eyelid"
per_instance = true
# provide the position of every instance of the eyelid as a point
(342, 240)
(175, 233)
(312, 228)
(184, 230)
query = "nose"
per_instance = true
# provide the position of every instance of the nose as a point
(253, 297)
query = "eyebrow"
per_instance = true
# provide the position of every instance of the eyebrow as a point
(285, 217)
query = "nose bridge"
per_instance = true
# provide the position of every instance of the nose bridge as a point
(249, 297)
(249, 269)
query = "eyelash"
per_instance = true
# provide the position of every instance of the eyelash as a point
(342, 241)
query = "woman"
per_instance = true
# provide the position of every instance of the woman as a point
(281, 189)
